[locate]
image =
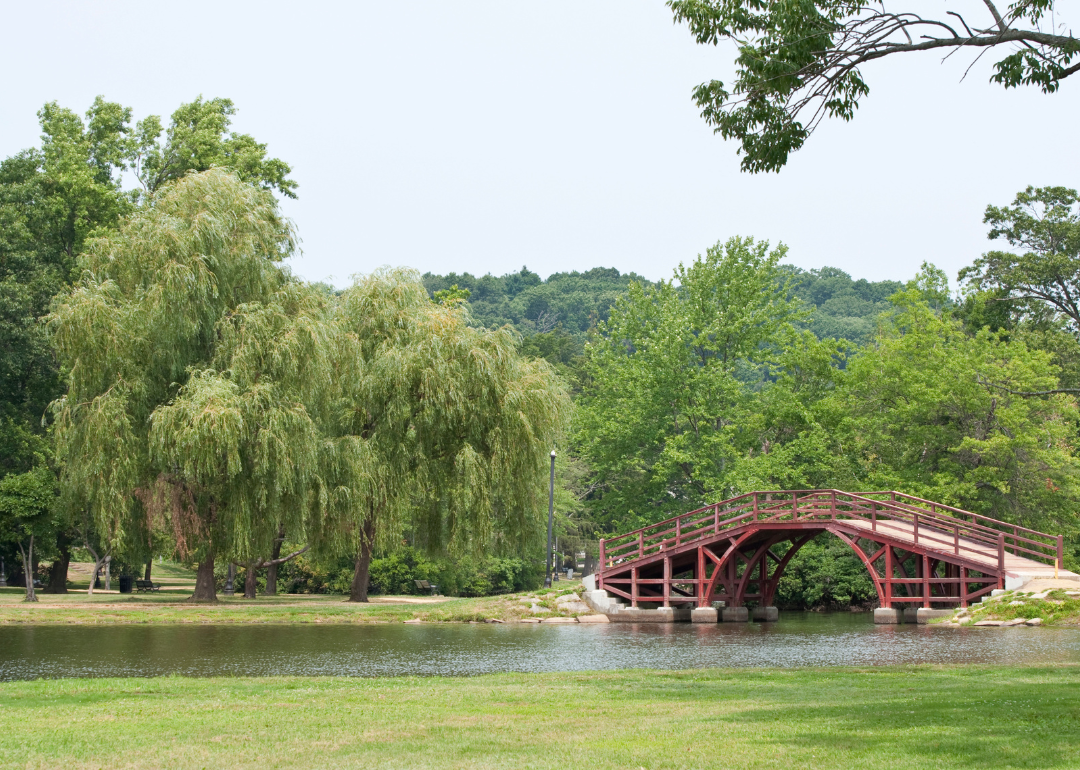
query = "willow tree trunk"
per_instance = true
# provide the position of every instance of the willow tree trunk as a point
(271, 578)
(362, 572)
(205, 590)
(59, 572)
(271, 571)
(149, 567)
(249, 581)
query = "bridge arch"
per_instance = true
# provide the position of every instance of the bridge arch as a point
(768, 583)
(958, 555)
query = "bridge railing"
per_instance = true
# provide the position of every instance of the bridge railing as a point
(936, 526)
(1017, 540)
(939, 531)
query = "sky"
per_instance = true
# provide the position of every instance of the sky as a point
(486, 136)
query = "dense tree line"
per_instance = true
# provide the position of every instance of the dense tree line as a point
(743, 373)
(168, 387)
(561, 310)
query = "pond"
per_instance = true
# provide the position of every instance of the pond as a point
(798, 639)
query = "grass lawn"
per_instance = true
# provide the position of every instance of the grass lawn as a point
(888, 717)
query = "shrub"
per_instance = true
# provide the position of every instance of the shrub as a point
(397, 572)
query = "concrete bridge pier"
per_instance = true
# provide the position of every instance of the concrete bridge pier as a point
(704, 615)
(765, 614)
(888, 616)
(735, 614)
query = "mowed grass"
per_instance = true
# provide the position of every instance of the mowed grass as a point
(171, 605)
(895, 717)
(262, 610)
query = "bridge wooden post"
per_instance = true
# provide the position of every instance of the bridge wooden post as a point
(702, 585)
(640, 544)
(667, 581)
(926, 581)
(1001, 553)
(963, 586)
(633, 587)
(916, 529)
(888, 576)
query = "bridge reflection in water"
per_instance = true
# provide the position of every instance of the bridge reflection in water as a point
(920, 554)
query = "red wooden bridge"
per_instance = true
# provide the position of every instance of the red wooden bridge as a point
(918, 553)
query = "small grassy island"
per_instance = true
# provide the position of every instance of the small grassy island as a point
(1055, 603)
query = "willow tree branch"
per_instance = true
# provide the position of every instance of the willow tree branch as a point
(273, 562)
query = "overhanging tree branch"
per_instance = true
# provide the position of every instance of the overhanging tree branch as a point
(798, 63)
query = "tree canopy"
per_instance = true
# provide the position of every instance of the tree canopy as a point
(198, 139)
(673, 416)
(210, 389)
(1042, 283)
(799, 63)
(434, 423)
(189, 351)
(56, 199)
(668, 371)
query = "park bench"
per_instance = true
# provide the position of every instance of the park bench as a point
(424, 585)
(147, 585)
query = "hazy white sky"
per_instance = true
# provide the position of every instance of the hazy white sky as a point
(483, 136)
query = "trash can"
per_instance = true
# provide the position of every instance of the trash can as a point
(126, 581)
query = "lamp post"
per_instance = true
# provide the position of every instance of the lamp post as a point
(230, 580)
(551, 515)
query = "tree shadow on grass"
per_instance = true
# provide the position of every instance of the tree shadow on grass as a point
(961, 717)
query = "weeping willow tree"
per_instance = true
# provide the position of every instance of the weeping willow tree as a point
(192, 357)
(431, 422)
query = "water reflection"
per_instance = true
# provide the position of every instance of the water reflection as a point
(799, 639)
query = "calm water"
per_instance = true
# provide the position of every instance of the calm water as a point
(798, 639)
